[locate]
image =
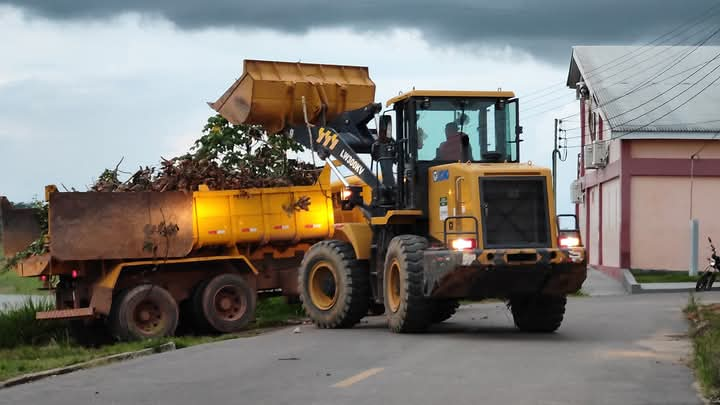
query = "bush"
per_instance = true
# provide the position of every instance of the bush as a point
(18, 325)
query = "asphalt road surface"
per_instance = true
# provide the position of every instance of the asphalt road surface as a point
(610, 350)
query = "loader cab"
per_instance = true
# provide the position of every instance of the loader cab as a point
(441, 127)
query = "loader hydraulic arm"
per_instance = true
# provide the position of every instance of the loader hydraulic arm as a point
(346, 136)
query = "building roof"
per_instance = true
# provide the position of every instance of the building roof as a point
(450, 93)
(642, 89)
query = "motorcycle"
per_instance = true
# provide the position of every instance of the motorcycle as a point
(708, 276)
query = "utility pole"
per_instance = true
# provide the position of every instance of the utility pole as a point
(555, 155)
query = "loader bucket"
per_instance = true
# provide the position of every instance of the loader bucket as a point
(19, 227)
(139, 225)
(270, 93)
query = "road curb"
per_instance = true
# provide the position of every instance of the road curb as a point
(629, 283)
(26, 378)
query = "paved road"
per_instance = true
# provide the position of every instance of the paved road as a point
(611, 350)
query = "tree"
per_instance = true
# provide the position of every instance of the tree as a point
(248, 148)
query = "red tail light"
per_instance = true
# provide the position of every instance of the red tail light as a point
(43, 278)
(74, 274)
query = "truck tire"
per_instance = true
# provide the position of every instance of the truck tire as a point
(334, 286)
(406, 307)
(540, 313)
(442, 310)
(146, 311)
(224, 303)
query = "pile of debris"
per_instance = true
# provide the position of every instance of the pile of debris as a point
(186, 173)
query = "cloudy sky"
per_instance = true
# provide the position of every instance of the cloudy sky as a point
(84, 83)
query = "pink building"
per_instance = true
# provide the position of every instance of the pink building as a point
(650, 161)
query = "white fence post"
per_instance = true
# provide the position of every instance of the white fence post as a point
(693, 271)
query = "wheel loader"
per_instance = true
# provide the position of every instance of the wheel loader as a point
(443, 208)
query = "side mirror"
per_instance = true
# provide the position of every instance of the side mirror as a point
(385, 131)
(567, 222)
(568, 231)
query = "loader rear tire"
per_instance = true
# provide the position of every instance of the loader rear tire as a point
(442, 310)
(224, 303)
(406, 307)
(538, 313)
(146, 311)
(334, 285)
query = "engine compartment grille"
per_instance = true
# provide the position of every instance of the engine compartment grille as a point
(514, 212)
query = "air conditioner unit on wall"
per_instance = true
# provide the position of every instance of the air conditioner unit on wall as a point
(577, 195)
(600, 154)
(589, 156)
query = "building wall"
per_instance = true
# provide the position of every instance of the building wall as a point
(611, 219)
(592, 237)
(660, 229)
(673, 148)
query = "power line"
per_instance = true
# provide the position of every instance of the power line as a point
(594, 109)
(669, 112)
(708, 13)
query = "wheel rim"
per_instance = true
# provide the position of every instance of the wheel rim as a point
(393, 286)
(323, 286)
(229, 303)
(148, 317)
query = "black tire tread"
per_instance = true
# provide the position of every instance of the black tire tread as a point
(442, 310)
(416, 313)
(538, 314)
(353, 306)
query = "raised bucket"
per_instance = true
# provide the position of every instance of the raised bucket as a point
(270, 93)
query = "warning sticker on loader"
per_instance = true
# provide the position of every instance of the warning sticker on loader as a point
(443, 208)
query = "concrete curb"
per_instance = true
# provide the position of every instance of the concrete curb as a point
(166, 347)
(629, 283)
(633, 287)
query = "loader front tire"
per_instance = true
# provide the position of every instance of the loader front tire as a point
(406, 307)
(538, 313)
(334, 285)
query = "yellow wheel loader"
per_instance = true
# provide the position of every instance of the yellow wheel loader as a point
(452, 213)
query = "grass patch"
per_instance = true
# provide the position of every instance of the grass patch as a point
(275, 311)
(705, 333)
(660, 276)
(28, 345)
(11, 283)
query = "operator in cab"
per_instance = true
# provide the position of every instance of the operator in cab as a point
(456, 146)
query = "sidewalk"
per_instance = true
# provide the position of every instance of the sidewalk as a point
(600, 284)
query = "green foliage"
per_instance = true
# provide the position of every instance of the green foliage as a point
(11, 283)
(660, 276)
(705, 333)
(246, 148)
(18, 325)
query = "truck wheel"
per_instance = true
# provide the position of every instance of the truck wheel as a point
(442, 310)
(406, 307)
(224, 303)
(143, 312)
(541, 313)
(333, 285)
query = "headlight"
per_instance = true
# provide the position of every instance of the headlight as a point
(463, 244)
(569, 241)
(712, 262)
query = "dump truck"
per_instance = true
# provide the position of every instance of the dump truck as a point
(443, 211)
(133, 260)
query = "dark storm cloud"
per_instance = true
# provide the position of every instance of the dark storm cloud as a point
(546, 28)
